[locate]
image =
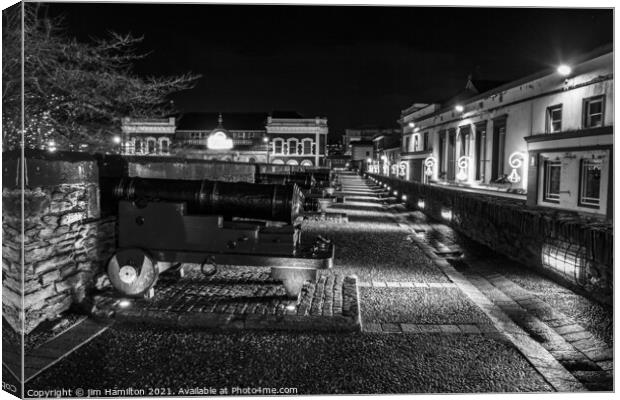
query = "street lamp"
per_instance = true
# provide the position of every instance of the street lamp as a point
(564, 70)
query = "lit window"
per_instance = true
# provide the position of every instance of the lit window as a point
(590, 183)
(553, 170)
(138, 146)
(593, 112)
(415, 143)
(151, 146)
(554, 119)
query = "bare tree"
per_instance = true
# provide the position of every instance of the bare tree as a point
(75, 93)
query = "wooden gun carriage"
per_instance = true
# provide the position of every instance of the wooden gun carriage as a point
(163, 223)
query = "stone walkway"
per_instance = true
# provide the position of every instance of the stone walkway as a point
(565, 353)
(243, 298)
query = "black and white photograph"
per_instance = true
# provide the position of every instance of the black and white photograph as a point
(208, 199)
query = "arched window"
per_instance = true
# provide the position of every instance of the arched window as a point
(252, 160)
(292, 162)
(151, 145)
(278, 161)
(307, 163)
(137, 146)
(292, 146)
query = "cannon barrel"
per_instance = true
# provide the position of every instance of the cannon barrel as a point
(230, 199)
(304, 179)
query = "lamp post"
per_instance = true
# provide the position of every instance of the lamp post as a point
(266, 141)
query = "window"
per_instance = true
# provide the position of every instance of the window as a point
(292, 146)
(277, 146)
(552, 171)
(554, 118)
(138, 146)
(151, 146)
(164, 145)
(307, 147)
(497, 156)
(593, 109)
(425, 141)
(481, 149)
(590, 183)
(407, 140)
(416, 140)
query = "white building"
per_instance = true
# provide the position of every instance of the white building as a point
(147, 136)
(547, 137)
(296, 140)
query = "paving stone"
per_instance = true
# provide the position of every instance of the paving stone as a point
(392, 284)
(449, 329)
(406, 284)
(570, 328)
(391, 328)
(372, 327)
(410, 328)
(468, 328)
(429, 328)
(378, 284)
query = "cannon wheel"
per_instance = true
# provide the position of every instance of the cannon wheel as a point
(208, 266)
(132, 272)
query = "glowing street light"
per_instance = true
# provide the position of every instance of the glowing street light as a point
(459, 108)
(265, 139)
(116, 139)
(564, 70)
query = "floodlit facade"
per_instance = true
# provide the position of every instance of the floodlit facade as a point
(295, 140)
(279, 138)
(547, 137)
(147, 136)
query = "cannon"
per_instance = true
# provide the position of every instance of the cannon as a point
(166, 223)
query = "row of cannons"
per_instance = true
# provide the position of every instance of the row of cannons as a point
(164, 223)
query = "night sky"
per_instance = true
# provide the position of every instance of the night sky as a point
(355, 65)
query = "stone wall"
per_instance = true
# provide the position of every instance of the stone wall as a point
(176, 168)
(66, 243)
(572, 249)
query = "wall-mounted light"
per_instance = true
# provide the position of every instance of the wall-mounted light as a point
(446, 214)
(417, 129)
(395, 193)
(421, 204)
(124, 303)
(266, 140)
(404, 197)
(564, 70)
(411, 124)
(459, 108)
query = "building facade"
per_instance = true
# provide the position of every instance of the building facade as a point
(547, 137)
(147, 136)
(279, 137)
(295, 140)
(364, 133)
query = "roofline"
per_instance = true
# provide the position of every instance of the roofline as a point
(597, 52)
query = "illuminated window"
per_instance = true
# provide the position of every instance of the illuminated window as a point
(138, 146)
(593, 109)
(590, 183)
(553, 171)
(554, 118)
(416, 140)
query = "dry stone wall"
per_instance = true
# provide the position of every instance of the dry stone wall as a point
(66, 243)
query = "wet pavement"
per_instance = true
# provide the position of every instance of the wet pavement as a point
(485, 325)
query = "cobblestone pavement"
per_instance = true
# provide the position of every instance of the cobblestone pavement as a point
(580, 341)
(427, 327)
(243, 298)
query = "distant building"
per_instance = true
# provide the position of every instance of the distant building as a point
(364, 133)
(279, 137)
(147, 136)
(362, 153)
(548, 137)
(295, 140)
